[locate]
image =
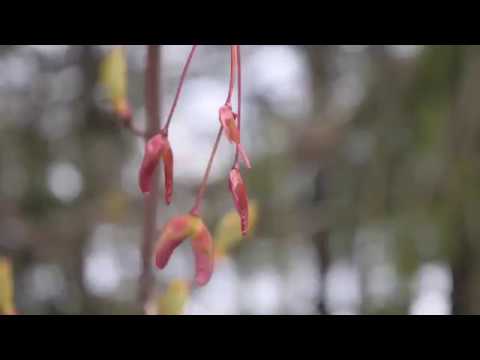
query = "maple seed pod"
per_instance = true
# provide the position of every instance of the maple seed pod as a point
(157, 147)
(229, 121)
(202, 244)
(229, 124)
(240, 197)
(168, 173)
(178, 230)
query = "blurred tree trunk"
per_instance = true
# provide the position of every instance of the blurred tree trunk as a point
(320, 60)
(88, 115)
(432, 109)
(463, 180)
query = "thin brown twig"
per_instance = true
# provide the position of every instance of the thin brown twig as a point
(153, 103)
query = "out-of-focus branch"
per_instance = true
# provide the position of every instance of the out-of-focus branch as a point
(153, 104)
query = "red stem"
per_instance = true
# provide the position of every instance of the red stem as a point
(152, 95)
(152, 89)
(239, 102)
(179, 89)
(203, 187)
(233, 63)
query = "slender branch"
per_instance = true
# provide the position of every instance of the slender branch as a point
(239, 86)
(233, 64)
(152, 89)
(179, 89)
(153, 103)
(239, 102)
(203, 187)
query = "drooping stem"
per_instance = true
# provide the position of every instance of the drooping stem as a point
(153, 104)
(239, 102)
(233, 64)
(203, 186)
(179, 89)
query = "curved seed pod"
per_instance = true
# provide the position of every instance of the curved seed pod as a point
(175, 232)
(157, 147)
(229, 124)
(168, 172)
(229, 121)
(240, 197)
(202, 244)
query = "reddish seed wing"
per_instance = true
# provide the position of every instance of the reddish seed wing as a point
(232, 131)
(240, 198)
(168, 169)
(165, 251)
(229, 124)
(153, 153)
(202, 244)
(174, 233)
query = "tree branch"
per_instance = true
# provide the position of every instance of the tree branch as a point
(153, 105)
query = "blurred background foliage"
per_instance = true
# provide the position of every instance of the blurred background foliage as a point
(365, 177)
